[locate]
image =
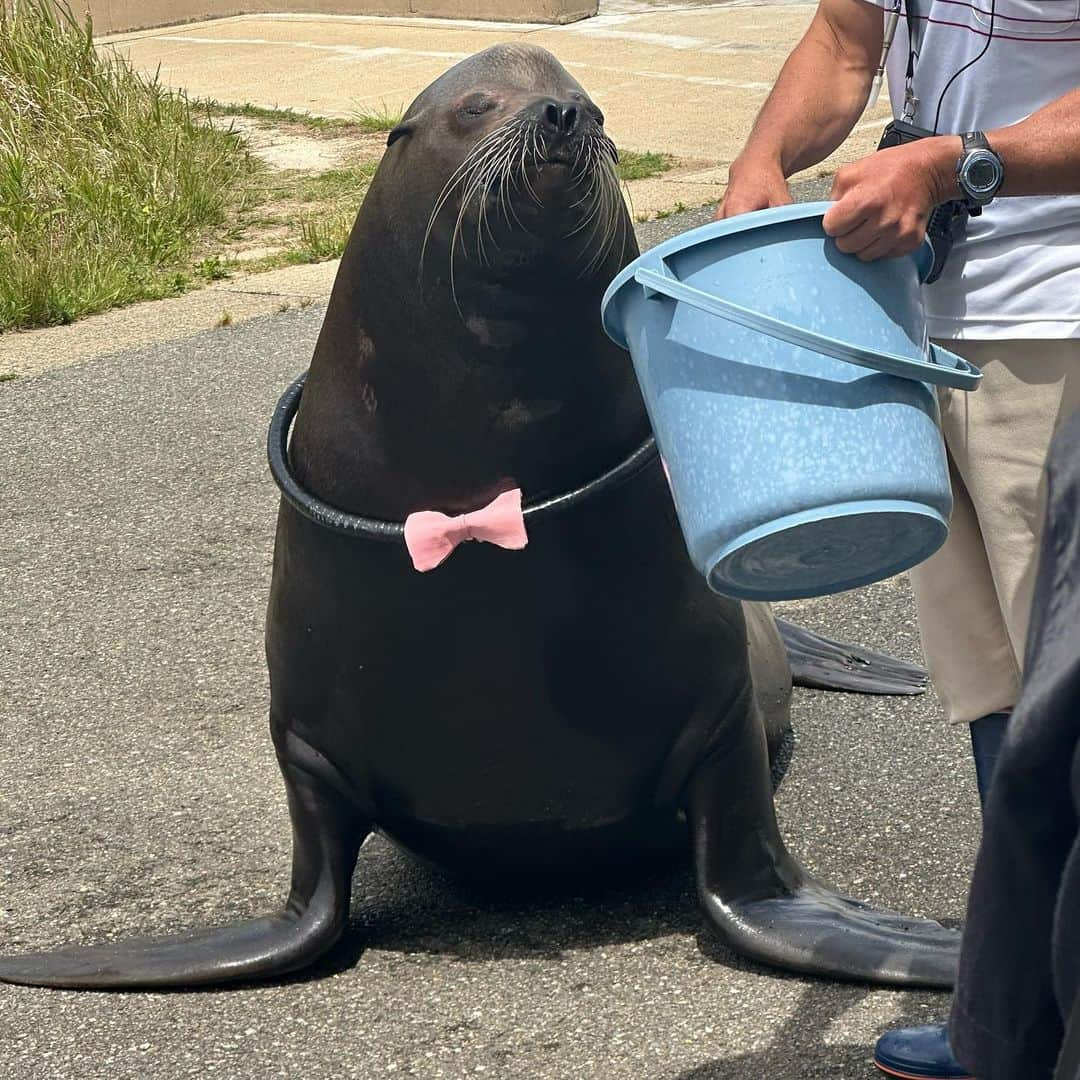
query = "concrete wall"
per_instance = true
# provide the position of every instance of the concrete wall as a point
(111, 16)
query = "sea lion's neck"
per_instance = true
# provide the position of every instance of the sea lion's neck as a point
(440, 400)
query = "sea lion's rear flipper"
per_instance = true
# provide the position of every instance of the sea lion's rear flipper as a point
(822, 664)
(326, 840)
(764, 905)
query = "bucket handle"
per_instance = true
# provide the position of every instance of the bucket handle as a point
(944, 368)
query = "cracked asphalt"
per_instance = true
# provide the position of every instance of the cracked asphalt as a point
(139, 791)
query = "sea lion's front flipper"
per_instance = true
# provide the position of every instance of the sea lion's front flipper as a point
(326, 840)
(831, 665)
(762, 903)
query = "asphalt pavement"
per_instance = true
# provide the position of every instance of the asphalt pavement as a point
(139, 791)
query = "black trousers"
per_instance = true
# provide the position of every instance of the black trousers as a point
(1020, 962)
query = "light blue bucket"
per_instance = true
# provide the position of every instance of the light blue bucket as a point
(788, 388)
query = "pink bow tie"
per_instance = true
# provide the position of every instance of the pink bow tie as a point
(431, 537)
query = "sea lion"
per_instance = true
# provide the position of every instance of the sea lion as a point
(578, 702)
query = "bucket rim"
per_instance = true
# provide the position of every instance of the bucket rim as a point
(714, 230)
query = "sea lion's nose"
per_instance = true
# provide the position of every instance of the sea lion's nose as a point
(558, 117)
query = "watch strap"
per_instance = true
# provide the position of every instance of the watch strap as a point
(975, 140)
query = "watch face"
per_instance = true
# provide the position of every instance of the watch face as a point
(982, 174)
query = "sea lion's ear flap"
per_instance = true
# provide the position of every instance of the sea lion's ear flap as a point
(406, 126)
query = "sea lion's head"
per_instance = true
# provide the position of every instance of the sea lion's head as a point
(516, 167)
(463, 351)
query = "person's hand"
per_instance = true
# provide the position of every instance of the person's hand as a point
(883, 202)
(753, 186)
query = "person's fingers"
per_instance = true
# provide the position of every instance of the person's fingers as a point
(846, 178)
(743, 201)
(872, 240)
(865, 235)
(884, 247)
(844, 220)
(781, 196)
(844, 217)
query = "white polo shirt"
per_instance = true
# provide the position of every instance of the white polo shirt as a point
(1017, 272)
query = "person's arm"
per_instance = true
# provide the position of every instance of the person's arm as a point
(883, 202)
(820, 93)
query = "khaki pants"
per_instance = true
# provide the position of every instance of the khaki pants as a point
(974, 594)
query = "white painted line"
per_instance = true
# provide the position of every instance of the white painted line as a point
(634, 11)
(680, 42)
(667, 41)
(351, 52)
(407, 21)
(671, 76)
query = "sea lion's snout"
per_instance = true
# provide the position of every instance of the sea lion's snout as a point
(558, 117)
(564, 127)
(535, 177)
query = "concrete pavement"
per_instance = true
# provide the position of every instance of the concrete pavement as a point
(140, 793)
(677, 76)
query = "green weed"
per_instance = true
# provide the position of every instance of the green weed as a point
(678, 208)
(283, 116)
(634, 166)
(321, 238)
(335, 186)
(214, 269)
(380, 119)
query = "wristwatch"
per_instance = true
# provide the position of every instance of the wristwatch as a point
(980, 172)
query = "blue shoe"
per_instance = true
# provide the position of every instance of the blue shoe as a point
(919, 1053)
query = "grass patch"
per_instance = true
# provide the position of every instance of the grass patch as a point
(107, 179)
(380, 119)
(7, 376)
(634, 166)
(312, 213)
(679, 208)
(281, 116)
(322, 238)
(338, 186)
(214, 269)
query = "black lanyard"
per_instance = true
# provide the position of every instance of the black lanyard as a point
(911, 102)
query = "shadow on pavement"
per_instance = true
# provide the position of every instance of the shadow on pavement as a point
(798, 1050)
(401, 904)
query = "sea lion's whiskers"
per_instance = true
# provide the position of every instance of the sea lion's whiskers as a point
(502, 164)
(459, 174)
(502, 177)
(486, 147)
(524, 170)
(579, 174)
(594, 216)
(575, 174)
(486, 179)
(507, 177)
(589, 198)
(605, 211)
(473, 184)
(590, 194)
(616, 220)
(488, 187)
(479, 191)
